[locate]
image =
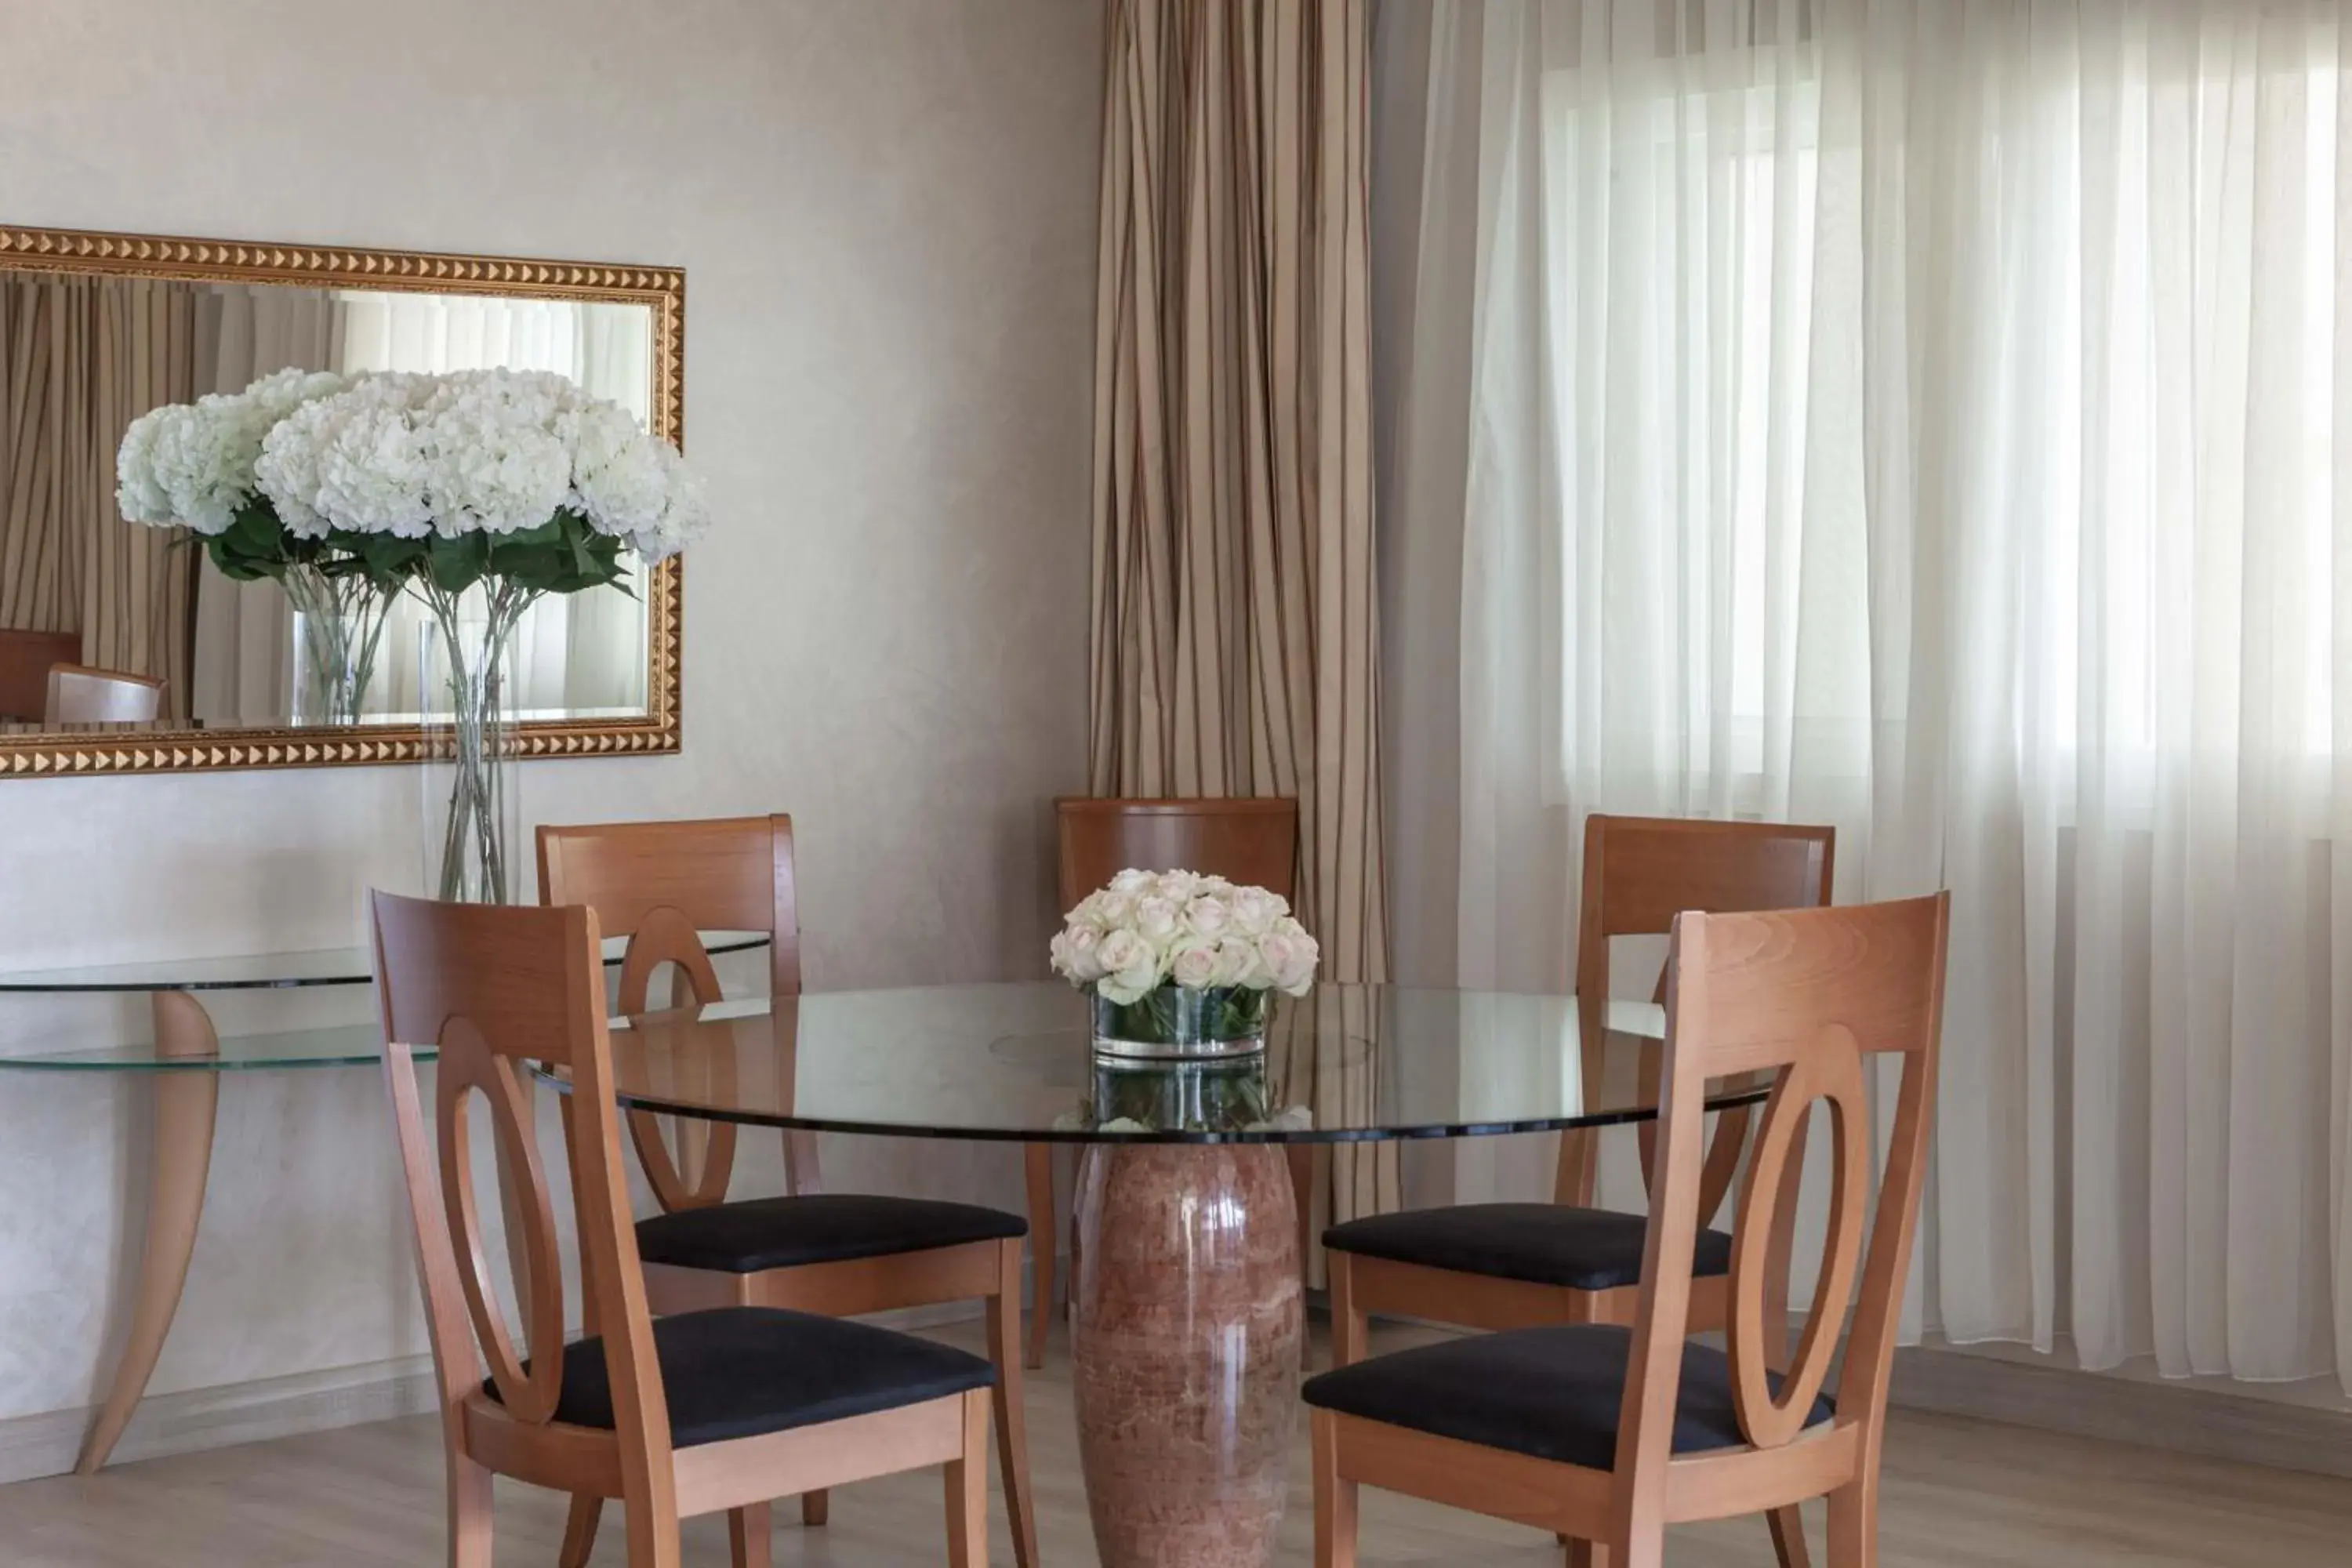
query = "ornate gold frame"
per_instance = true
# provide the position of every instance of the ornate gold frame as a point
(50, 755)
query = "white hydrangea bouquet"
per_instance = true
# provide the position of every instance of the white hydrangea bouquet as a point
(1182, 964)
(347, 489)
(478, 490)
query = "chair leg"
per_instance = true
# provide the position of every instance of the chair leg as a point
(1788, 1526)
(1853, 1523)
(469, 1513)
(1585, 1553)
(1012, 1430)
(1351, 1325)
(816, 1508)
(749, 1543)
(1302, 1194)
(1040, 1161)
(1335, 1498)
(967, 1489)
(580, 1531)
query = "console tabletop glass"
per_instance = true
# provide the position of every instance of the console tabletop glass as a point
(1345, 1064)
(270, 970)
(341, 1045)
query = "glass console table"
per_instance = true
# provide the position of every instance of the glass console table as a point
(184, 1062)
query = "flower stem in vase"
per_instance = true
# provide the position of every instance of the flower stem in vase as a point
(475, 638)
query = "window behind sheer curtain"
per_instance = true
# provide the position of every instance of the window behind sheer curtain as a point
(1932, 417)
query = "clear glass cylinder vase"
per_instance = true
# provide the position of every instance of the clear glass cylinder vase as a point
(473, 809)
(1176, 1022)
(339, 621)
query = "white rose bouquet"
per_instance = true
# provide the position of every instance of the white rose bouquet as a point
(1175, 958)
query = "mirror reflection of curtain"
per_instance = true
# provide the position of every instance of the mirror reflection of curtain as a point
(245, 664)
(572, 652)
(83, 358)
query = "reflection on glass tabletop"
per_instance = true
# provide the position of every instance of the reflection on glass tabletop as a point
(1014, 1061)
(323, 967)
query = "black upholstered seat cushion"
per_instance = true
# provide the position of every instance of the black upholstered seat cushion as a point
(1553, 1393)
(1547, 1244)
(736, 1372)
(823, 1228)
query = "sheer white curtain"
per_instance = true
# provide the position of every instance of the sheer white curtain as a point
(573, 653)
(1931, 416)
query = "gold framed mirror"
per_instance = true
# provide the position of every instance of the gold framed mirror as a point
(97, 329)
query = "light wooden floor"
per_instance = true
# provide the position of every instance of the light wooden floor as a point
(1960, 1494)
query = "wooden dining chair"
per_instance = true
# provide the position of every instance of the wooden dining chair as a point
(79, 694)
(1512, 1266)
(1252, 842)
(704, 1412)
(1608, 1432)
(25, 659)
(660, 884)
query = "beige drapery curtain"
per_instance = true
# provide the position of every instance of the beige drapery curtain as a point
(84, 357)
(1234, 635)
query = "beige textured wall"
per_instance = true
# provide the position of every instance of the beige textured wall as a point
(885, 212)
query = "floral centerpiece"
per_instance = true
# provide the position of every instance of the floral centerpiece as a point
(192, 464)
(478, 491)
(1182, 964)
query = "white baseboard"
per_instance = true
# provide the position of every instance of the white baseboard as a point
(47, 1444)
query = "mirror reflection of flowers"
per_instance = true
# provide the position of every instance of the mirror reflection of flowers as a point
(346, 488)
(1150, 929)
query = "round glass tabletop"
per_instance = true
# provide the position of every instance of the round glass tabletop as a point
(1347, 1063)
(270, 970)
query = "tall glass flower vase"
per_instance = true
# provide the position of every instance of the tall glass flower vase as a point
(339, 626)
(473, 816)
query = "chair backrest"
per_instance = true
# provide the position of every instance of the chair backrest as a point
(661, 884)
(494, 988)
(1252, 842)
(653, 882)
(25, 659)
(1812, 998)
(78, 694)
(1640, 872)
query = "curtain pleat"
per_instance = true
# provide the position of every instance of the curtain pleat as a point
(85, 356)
(1235, 623)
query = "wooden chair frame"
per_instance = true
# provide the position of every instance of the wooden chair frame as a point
(1812, 997)
(1101, 837)
(1639, 874)
(661, 884)
(494, 989)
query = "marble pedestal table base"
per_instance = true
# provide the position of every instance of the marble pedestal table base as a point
(1185, 1350)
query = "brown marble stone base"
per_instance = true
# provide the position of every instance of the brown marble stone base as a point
(1185, 1346)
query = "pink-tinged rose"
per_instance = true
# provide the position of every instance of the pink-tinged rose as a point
(1076, 955)
(1195, 966)
(1290, 955)
(1132, 882)
(1209, 917)
(1239, 962)
(1179, 886)
(1130, 967)
(1111, 910)
(1156, 921)
(1255, 910)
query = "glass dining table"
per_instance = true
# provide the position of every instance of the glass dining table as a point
(1187, 1295)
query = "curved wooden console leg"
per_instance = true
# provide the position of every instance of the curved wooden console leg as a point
(184, 1103)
